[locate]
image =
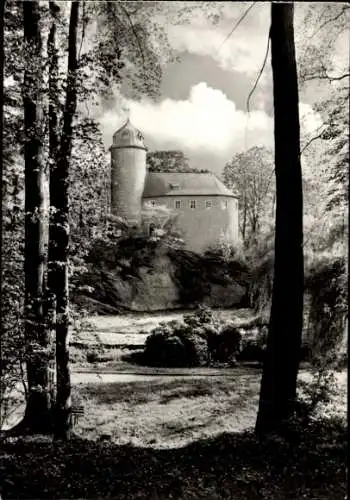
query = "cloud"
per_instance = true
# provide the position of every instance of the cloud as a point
(242, 52)
(206, 121)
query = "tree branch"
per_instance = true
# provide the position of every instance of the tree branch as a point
(134, 32)
(315, 138)
(82, 31)
(260, 72)
(237, 24)
(332, 20)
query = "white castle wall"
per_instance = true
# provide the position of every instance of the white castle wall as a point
(128, 173)
(202, 227)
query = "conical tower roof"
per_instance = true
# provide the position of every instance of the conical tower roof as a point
(128, 136)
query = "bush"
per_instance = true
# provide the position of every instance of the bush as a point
(181, 347)
(228, 344)
(202, 338)
(254, 345)
(197, 341)
(92, 356)
(327, 285)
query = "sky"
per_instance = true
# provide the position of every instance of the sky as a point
(202, 109)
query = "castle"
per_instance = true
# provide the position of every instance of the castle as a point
(207, 212)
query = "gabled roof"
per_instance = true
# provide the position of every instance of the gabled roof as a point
(184, 184)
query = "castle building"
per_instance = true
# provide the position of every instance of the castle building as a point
(207, 212)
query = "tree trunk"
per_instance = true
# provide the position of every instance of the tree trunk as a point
(59, 235)
(37, 415)
(2, 54)
(279, 380)
(53, 153)
(244, 225)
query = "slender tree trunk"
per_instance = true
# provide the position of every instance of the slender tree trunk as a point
(279, 380)
(244, 224)
(59, 235)
(53, 154)
(2, 55)
(37, 416)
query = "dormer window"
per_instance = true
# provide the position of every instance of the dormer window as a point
(125, 134)
(139, 136)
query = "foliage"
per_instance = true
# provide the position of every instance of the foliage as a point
(327, 284)
(316, 392)
(251, 174)
(254, 345)
(194, 273)
(204, 339)
(176, 345)
(170, 161)
(323, 65)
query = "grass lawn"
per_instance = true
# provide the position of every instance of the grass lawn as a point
(168, 412)
(165, 412)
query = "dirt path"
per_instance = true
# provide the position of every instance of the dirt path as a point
(133, 329)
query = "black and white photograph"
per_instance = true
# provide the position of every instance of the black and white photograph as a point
(174, 249)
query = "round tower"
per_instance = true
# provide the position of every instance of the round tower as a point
(128, 173)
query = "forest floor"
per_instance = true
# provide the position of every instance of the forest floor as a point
(310, 464)
(181, 437)
(155, 433)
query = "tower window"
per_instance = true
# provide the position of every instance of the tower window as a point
(125, 133)
(152, 203)
(224, 204)
(192, 203)
(208, 204)
(177, 204)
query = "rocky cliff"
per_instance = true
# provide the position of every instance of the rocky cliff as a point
(141, 275)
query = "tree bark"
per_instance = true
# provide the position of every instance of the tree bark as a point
(59, 234)
(2, 55)
(37, 415)
(53, 154)
(279, 380)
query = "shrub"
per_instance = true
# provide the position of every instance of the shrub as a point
(202, 338)
(197, 341)
(176, 346)
(327, 285)
(254, 345)
(92, 356)
(228, 344)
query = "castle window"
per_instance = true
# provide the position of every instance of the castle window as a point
(192, 203)
(177, 204)
(224, 204)
(208, 204)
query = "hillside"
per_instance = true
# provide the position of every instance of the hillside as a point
(139, 274)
